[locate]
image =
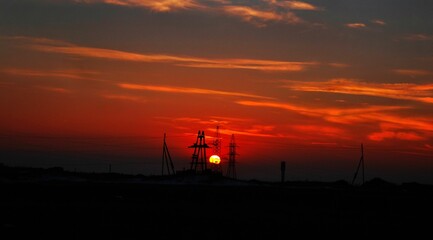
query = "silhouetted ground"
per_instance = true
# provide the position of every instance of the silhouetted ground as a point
(53, 204)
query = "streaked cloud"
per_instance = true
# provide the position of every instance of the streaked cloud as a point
(124, 97)
(261, 17)
(418, 37)
(386, 116)
(295, 5)
(403, 91)
(356, 25)
(408, 136)
(379, 22)
(320, 130)
(332, 114)
(412, 72)
(184, 61)
(63, 73)
(154, 5)
(248, 132)
(258, 13)
(172, 89)
(54, 89)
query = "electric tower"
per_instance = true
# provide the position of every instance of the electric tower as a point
(198, 162)
(217, 150)
(231, 169)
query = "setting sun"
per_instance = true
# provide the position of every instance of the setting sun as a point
(215, 159)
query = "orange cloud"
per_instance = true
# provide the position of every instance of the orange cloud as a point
(412, 72)
(249, 132)
(378, 22)
(263, 12)
(408, 136)
(295, 5)
(65, 73)
(356, 25)
(260, 17)
(54, 89)
(155, 5)
(393, 125)
(320, 130)
(403, 91)
(171, 89)
(262, 65)
(392, 122)
(419, 37)
(123, 97)
(339, 115)
(109, 54)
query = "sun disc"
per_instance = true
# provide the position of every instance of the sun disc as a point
(215, 159)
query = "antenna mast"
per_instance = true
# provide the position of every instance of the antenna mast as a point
(166, 159)
(360, 164)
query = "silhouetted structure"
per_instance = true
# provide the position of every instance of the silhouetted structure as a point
(231, 169)
(283, 171)
(217, 142)
(166, 159)
(198, 163)
(217, 150)
(360, 164)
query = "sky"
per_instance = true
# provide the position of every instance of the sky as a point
(85, 84)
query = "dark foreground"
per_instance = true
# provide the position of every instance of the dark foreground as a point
(97, 210)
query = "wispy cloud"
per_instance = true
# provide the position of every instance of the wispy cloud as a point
(54, 89)
(412, 72)
(340, 115)
(321, 130)
(379, 22)
(356, 25)
(408, 136)
(403, 91)
(64, 73)
(418, 37)
(258, 13)
(387, 117)
(154, 5)
(185, 61)
(248, 132)
(295, 5)
(124, 97)
(261, 17)
(172, 89)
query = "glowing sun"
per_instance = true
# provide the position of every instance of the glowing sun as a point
(215, 159)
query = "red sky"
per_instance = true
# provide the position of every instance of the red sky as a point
(84, 84)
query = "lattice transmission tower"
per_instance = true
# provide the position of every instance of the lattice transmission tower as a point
(231, 168)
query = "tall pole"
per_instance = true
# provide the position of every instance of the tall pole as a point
(360, 164)
(283, 171)
(166, 159)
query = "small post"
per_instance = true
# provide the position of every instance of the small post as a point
(283, 171)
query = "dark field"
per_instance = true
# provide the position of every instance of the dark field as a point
(214, 210)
